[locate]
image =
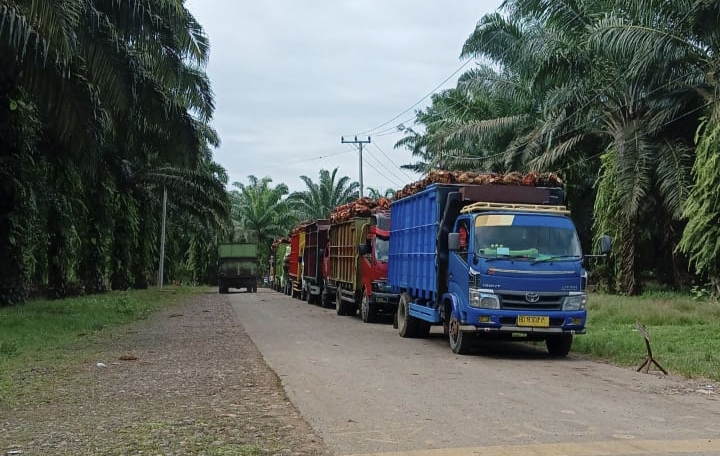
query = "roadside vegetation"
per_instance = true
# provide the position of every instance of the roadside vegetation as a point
(46, 334)
(619, 98)
(684, 332)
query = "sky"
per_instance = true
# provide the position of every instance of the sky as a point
(292, 78)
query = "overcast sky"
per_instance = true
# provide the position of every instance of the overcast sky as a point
(291, 77)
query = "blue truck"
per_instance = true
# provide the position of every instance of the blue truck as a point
(496, 261)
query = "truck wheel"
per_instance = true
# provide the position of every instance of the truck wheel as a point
(339, 304)
(325, 298)
(368, 310)
(559, 346)
(305, 295)
(407, 325)
(254, 288)
(309, 296)
(459, 341)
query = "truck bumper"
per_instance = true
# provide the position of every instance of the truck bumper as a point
(315, 290)
(385, 299)
(540, 324)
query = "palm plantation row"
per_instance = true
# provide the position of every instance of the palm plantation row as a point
(620, 98)
(104, 105)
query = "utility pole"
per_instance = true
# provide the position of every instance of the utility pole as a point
(360, 142)
(162, 240)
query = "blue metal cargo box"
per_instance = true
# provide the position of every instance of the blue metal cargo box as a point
(413, 241)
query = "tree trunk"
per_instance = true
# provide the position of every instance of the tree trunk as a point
(123, 245)
(629, 281)
(92, 250)
(56, 255)
(13, 286)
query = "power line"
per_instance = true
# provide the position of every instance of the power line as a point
(304, 160)
(391, 161)
(395, 178)
(420, 100)
(392, 181)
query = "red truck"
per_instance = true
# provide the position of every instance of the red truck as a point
(357, 265)
(316, 240)
(293, 284)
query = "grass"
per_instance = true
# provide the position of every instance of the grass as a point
(684, 333)
(43, 333)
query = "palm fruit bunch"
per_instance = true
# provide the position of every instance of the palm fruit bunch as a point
(361, 207)
(531, 179)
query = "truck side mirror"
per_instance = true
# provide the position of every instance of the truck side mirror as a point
(605, 244)
(453, 241)
(363, 249)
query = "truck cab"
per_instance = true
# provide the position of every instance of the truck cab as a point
(517, 274)
(378, 297)
(488, 260)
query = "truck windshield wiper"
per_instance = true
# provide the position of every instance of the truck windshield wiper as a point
(555, 257)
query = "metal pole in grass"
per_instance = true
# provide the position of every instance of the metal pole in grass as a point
(162, 240)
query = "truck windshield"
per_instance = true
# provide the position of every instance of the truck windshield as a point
(531, 242)
(382, 248)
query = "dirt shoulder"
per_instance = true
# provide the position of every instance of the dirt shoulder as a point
(186, 381)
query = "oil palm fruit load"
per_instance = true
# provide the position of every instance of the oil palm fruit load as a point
(280, 240)
(300, 227)
(531, 179)
(362, 207)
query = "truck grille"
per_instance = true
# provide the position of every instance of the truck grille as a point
(519, 301)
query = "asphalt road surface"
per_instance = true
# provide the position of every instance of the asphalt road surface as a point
(367, 391)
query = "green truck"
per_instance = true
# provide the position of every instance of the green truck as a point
(279, 264)
(237, 267)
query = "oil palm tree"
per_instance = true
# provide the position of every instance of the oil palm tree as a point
(319, 199)
(75, 71)
(261, 213)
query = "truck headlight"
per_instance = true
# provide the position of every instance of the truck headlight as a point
(574, 302)
(481, 300)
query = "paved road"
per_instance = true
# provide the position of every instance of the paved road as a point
(367, 391)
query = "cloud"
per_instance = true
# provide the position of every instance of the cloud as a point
(291, 77)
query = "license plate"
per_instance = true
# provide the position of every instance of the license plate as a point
(533, 320)
(380, 300)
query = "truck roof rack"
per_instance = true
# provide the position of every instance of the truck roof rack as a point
(487, 206)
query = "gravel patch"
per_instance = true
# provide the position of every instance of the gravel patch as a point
(186, 381)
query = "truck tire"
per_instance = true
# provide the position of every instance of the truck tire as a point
(459, 341)
(368, 309)
(339, 303)
(407, 325)
(254, 288)
(559, 346)
(325, 298)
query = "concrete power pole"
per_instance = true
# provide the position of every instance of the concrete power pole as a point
(359, 142)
